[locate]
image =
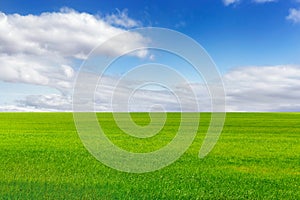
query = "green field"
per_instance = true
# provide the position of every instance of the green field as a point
(257, 157)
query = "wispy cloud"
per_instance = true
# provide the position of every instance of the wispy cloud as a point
(294, 15)
(229, 2)
(256, 88)
(180, 24)
(264, 1)
(121, 19)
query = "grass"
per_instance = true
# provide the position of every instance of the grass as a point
(257, 157)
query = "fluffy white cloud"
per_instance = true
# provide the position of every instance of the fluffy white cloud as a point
(39, 49)
(294, 15)
(66, 33)
(34, 70)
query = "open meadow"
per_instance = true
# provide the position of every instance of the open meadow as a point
(256, 157)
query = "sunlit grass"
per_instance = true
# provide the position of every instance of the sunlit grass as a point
(257, 157)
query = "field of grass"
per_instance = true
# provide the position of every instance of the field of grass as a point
(257, 157)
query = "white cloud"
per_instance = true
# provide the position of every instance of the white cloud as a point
(144, 98)
(39, 49)
(51, 102)
(67, 33)
(257, 88)
(264, 1)
(229, 2)
(34, 70)
(20, 108)
(121, 19)
(263, 88)
(294, 15)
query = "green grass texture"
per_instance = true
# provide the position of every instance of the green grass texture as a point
(256, 157)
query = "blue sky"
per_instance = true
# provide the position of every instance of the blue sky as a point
(242, 37)
(245, 33)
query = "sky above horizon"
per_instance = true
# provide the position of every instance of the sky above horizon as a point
(255, 45)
